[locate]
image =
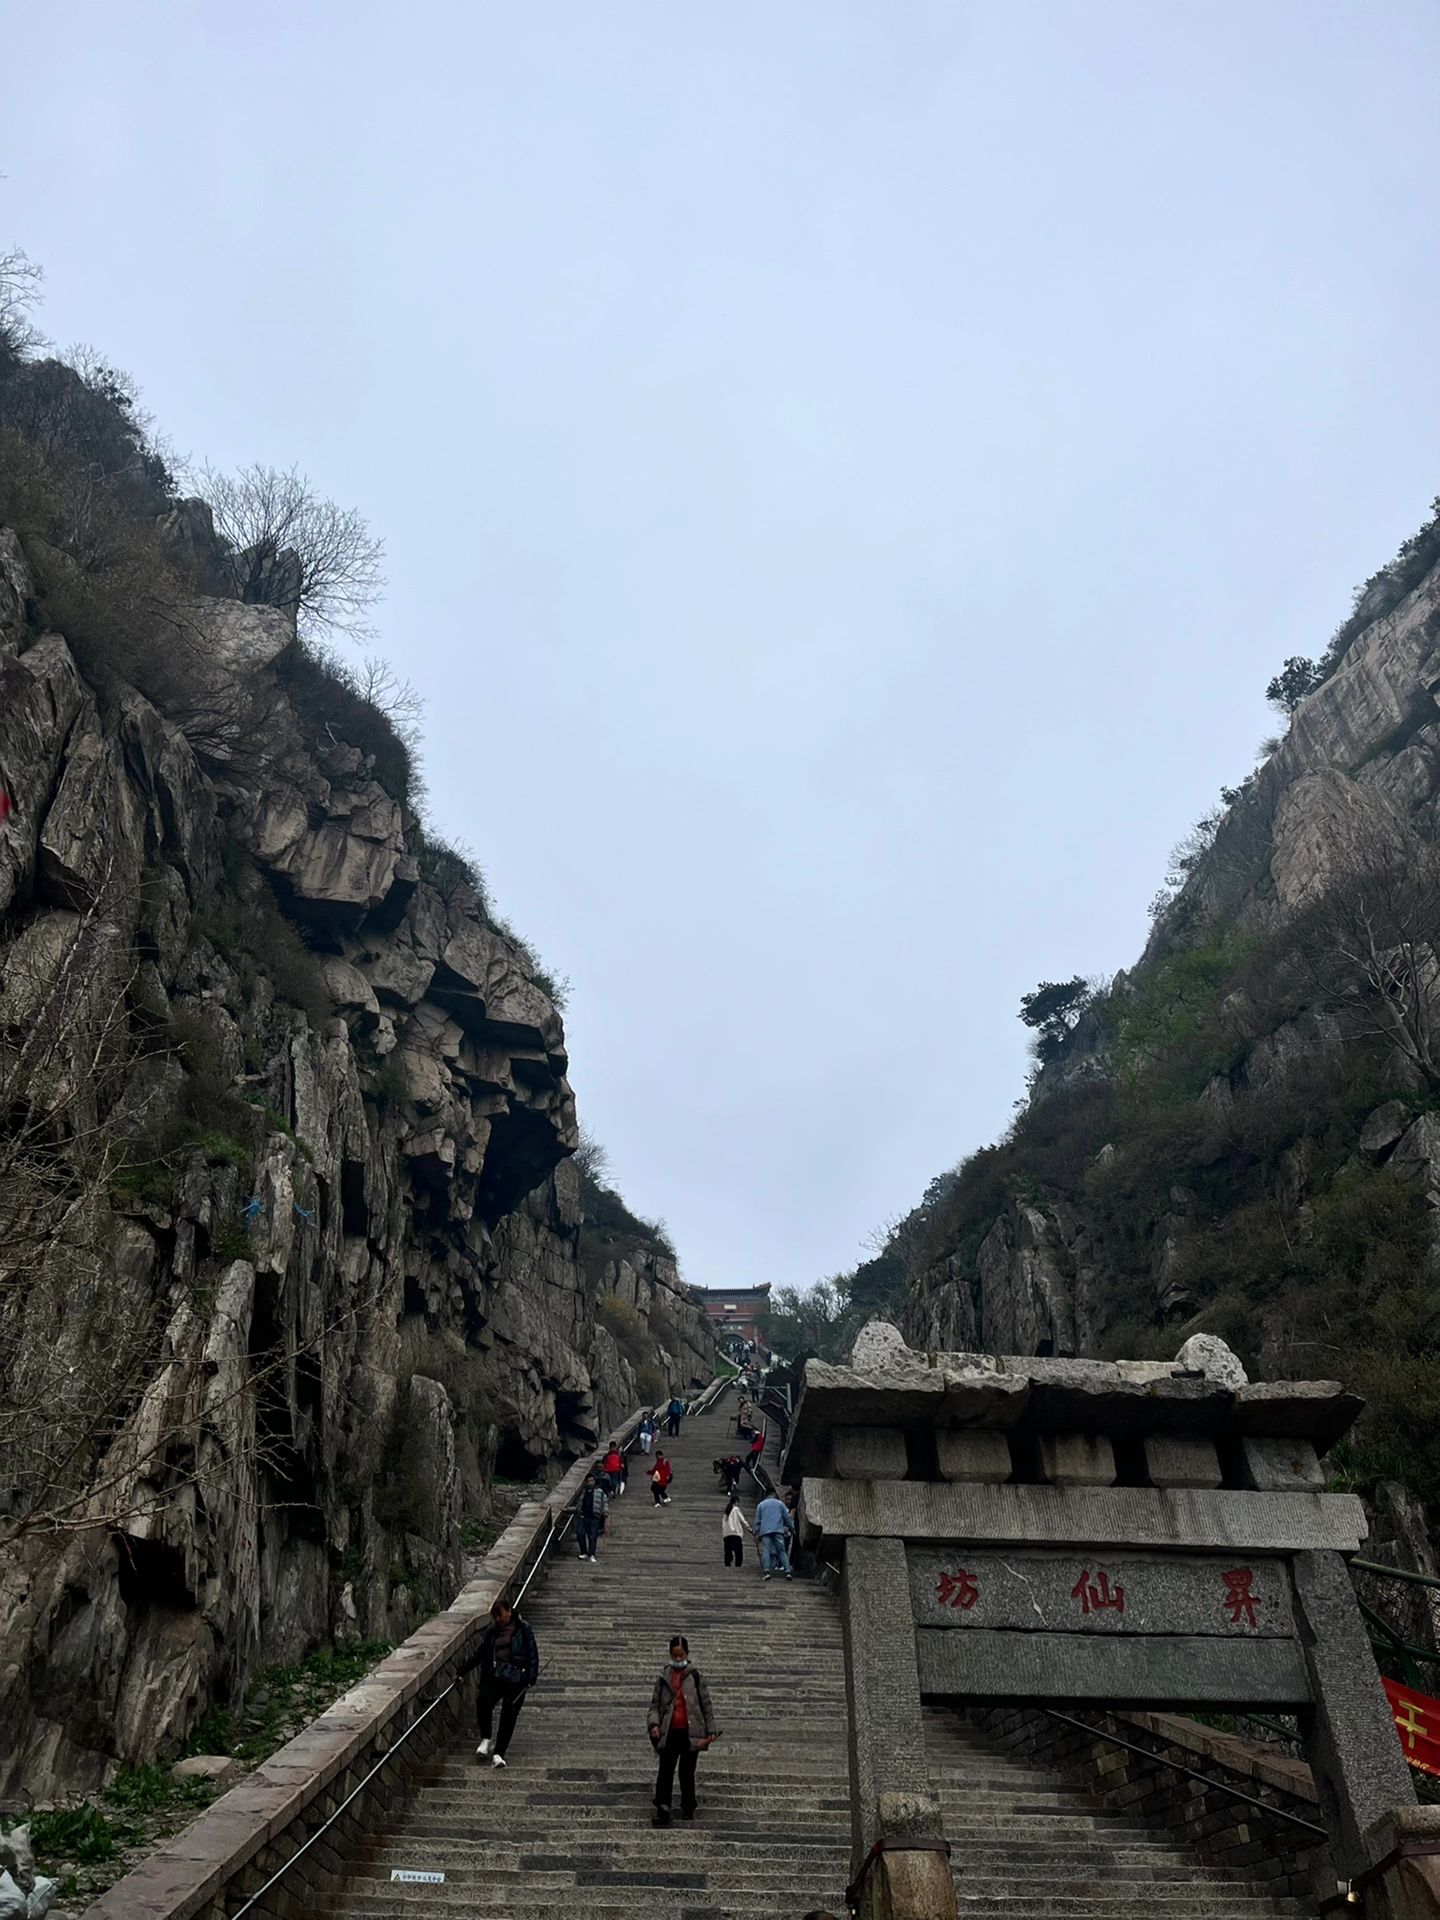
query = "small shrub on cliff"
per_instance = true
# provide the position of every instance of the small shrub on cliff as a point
(331, 705)
(449, 866)
(610, 1226)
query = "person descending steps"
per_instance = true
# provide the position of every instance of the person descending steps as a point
(661, 1474)
(590, 1510)
(681, 1725)
(509, 1662)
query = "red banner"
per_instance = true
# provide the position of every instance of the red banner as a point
(1417, 1721)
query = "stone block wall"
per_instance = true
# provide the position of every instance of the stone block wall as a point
(1222, 1829)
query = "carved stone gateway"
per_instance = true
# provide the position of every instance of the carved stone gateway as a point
(1134, 1533)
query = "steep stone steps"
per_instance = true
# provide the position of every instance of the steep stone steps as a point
(565, 1829)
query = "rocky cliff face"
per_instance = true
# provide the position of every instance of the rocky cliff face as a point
(1240, 1135)
(292, 1253)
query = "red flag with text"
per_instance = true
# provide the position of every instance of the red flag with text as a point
(1417, 1721)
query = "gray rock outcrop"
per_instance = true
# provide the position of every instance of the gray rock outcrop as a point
(315, 1264)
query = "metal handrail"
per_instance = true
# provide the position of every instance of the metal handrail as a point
(555, 1534)
(1387, 1639)
(1396, 1573)
(1221, 1786)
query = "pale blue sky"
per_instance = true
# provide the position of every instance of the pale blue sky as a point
(848, 473)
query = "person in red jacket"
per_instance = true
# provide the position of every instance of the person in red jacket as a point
(613, 1467)
(661, 1474)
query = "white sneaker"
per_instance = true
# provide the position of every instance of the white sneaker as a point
(593, 1558)
(767, 1576)
(496, 1760)
(482, 1752)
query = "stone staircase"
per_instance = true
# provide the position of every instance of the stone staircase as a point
(566, 1827)
(1027, 1842)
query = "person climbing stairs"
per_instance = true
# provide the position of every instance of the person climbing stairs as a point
(566, 1828)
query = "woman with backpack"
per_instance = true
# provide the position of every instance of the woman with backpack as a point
(681, 1724)
(509, 1663)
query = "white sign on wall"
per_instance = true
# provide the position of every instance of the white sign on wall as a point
(424, 1879)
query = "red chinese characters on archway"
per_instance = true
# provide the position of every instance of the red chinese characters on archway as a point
(1239, 1597)
(958, 1589)
(1097, 1594)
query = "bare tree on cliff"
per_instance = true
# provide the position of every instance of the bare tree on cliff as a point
(20, 280)
(288, 547)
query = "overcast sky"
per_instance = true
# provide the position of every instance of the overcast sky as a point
(848, 472)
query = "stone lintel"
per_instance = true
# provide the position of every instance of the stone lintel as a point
(1223, 1521)
(1079, 1402)
(1282, 1466)
(907, 1397)
(1138, 1670)
(1077, 1459)
(1181, 1460)
(1320, 1411)
(914, 1392)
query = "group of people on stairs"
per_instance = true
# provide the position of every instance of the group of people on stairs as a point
(681, 1720)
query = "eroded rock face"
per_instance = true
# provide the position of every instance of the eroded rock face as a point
(337, 1272)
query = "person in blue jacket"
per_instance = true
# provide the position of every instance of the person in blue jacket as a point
(773, 1523)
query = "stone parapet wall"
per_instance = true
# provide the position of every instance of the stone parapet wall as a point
(1222, 1829)
(227, 1855)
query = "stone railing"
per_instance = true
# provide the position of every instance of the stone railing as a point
(1158, 1785)
(270, 1845)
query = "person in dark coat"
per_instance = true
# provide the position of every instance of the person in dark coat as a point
(509, 1663)
(729, 1470)
(681, 1725)
(590, 1510)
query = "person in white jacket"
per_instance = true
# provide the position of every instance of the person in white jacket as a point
(733, 1528)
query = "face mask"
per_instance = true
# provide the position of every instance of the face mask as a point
(678, 1663)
